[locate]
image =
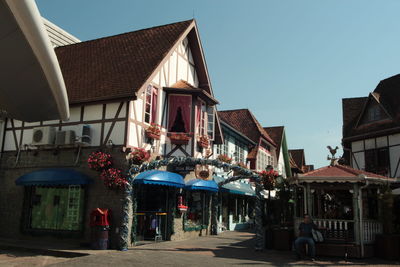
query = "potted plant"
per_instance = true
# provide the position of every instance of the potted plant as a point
(179, 138)
(138, 156)
(203, 141)
(99, 161)
(153, 131)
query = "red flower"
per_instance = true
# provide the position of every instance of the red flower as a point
(154, 129)
(138, 155)
(99, 161)
(113, 178)
(268, 178)
(224, 158)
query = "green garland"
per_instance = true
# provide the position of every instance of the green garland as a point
(134, 218)
(189, 161)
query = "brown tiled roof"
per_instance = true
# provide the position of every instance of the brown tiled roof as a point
(292, 163)
(253, 153)
(352, 108)
(276, 133)
(298, 157)
(340, 171)
(116, 66)
(244, 121)
(387, 94)
(181, 84)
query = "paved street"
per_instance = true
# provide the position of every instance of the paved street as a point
(227, 249)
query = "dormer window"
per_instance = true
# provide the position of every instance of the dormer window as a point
(150, 112)
(374, 113)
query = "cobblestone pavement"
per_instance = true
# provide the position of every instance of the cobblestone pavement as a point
(227, 249)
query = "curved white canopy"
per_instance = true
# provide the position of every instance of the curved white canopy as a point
(31, 84)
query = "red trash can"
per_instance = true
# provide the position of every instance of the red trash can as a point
(100, 224)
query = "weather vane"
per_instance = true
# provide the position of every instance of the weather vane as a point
(334, 160)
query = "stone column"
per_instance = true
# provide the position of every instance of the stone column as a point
(214, 213)
(259, 219)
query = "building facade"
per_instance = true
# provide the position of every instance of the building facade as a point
(119, 88)
(371, 135)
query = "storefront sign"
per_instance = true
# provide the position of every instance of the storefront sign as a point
(183, 169)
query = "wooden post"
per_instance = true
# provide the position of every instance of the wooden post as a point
(356, 216)
(309, 200)
(295, 204)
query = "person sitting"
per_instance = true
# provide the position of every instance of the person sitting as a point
(305, 237)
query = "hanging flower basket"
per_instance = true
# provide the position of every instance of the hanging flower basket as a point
(113, 178)
(153, 131)
(268, 179)
(99, 161)
(203, 141)
(138, 156)
(179, 138)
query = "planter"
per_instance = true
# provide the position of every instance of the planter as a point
(387, 246)
(202, 144)
(282, 239)
(179, 141)
(153, 135)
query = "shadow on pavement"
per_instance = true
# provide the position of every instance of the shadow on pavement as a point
(238, 248)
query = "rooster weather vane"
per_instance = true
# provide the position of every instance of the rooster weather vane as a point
(334, 160)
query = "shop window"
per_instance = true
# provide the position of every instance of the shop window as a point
(150, 112)
(198, 213)
(377, 161)
(179, 113)
(56, 208)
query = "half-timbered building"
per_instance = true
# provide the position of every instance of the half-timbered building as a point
(247, 144)
(118, 87)
(371, 133)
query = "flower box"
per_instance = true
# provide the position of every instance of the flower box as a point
(224, 158)
(138, 156)
(203, 141)
(152, 135)
(179, 138)
(153, 131)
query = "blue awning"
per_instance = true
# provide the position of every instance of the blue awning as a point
(198, 184)
(237, 188)
(55, 176)
(160, 178)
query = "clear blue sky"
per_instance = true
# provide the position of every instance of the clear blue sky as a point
(289, 62)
